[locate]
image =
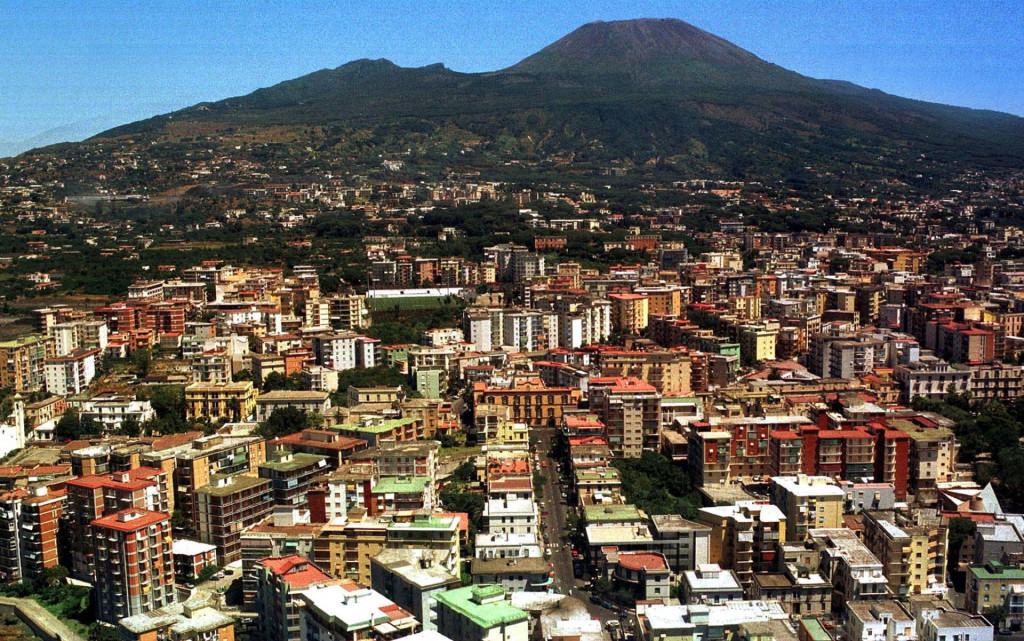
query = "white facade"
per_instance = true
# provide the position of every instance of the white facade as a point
(112, 410)
(477, 330)
(506, 546)
(71, 374)
(518, 516)
(345, 351)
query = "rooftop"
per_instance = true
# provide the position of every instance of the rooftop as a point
(191, 548)
(221, 485)
(401, 485)
(295, 570)
(280, 396)
(518, 565)
(485, 606)
(612, 513)
(292, 462)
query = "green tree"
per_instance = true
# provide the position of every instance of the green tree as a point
(130, 426)
(140, 362)
(69, 427)
(283, 421)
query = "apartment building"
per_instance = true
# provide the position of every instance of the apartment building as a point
(134, 570)
(92, 497)
(279, 580)
(808, 502)
(530, 402)
(911, 548)
(220, 401)
(227, 506)
(630, 312)
(291, 475)
(994, 584)
(195, 463)
(854, 572)
(744, 537)
(412, 578)
(345, 351)
(631, 412)
(304, 401)
(24, 362)
(480, 613)
(333, 612)
(71, 374)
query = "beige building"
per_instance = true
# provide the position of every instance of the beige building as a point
(912, 549)
(744, 537)
(629, 312)
(808, 502)
(224, 401)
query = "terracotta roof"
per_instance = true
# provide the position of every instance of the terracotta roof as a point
(295, 570)
(642, 561)
(139, 519)
(135, 479)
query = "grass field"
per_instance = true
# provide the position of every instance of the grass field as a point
(413, 302)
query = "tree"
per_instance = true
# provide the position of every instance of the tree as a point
(960, 529)
(140, 362)
(283, 421)
(130, 426)
(207, 573)
(465, 473)
(69, 427)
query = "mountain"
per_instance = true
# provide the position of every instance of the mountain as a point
(639, 90)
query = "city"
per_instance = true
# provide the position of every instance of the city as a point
(420, 380)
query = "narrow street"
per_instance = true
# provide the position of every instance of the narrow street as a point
(553, 516)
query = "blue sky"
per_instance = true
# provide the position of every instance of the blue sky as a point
(81, 67)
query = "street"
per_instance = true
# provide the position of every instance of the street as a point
(553, 527)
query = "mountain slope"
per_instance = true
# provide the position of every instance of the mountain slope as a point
(637, 89)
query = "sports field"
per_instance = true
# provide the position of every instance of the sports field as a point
(412, 302)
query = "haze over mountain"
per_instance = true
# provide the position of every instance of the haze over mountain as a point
(640, 90)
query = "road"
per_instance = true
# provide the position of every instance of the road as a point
(553, 525)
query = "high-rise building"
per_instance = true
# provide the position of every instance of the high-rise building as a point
(134, 571)
(92, 497)
(24, 362)
(631, 412)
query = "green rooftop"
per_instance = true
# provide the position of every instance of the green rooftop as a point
(484, 605)
(997, 571)
(239, 482)
(21, 341)
(426, 523)
(401, 485)
(380, 428)
(918, 433)
(292, 462)
(592, 475)
(611, 513)
(815, 631)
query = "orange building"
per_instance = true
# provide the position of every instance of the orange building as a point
(530, 401)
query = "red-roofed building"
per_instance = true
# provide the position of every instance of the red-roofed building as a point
(334, 446)
(95, 496)
(646, 573)
(278, 582)
(631, 412)
(134, 570)
(582, 426)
